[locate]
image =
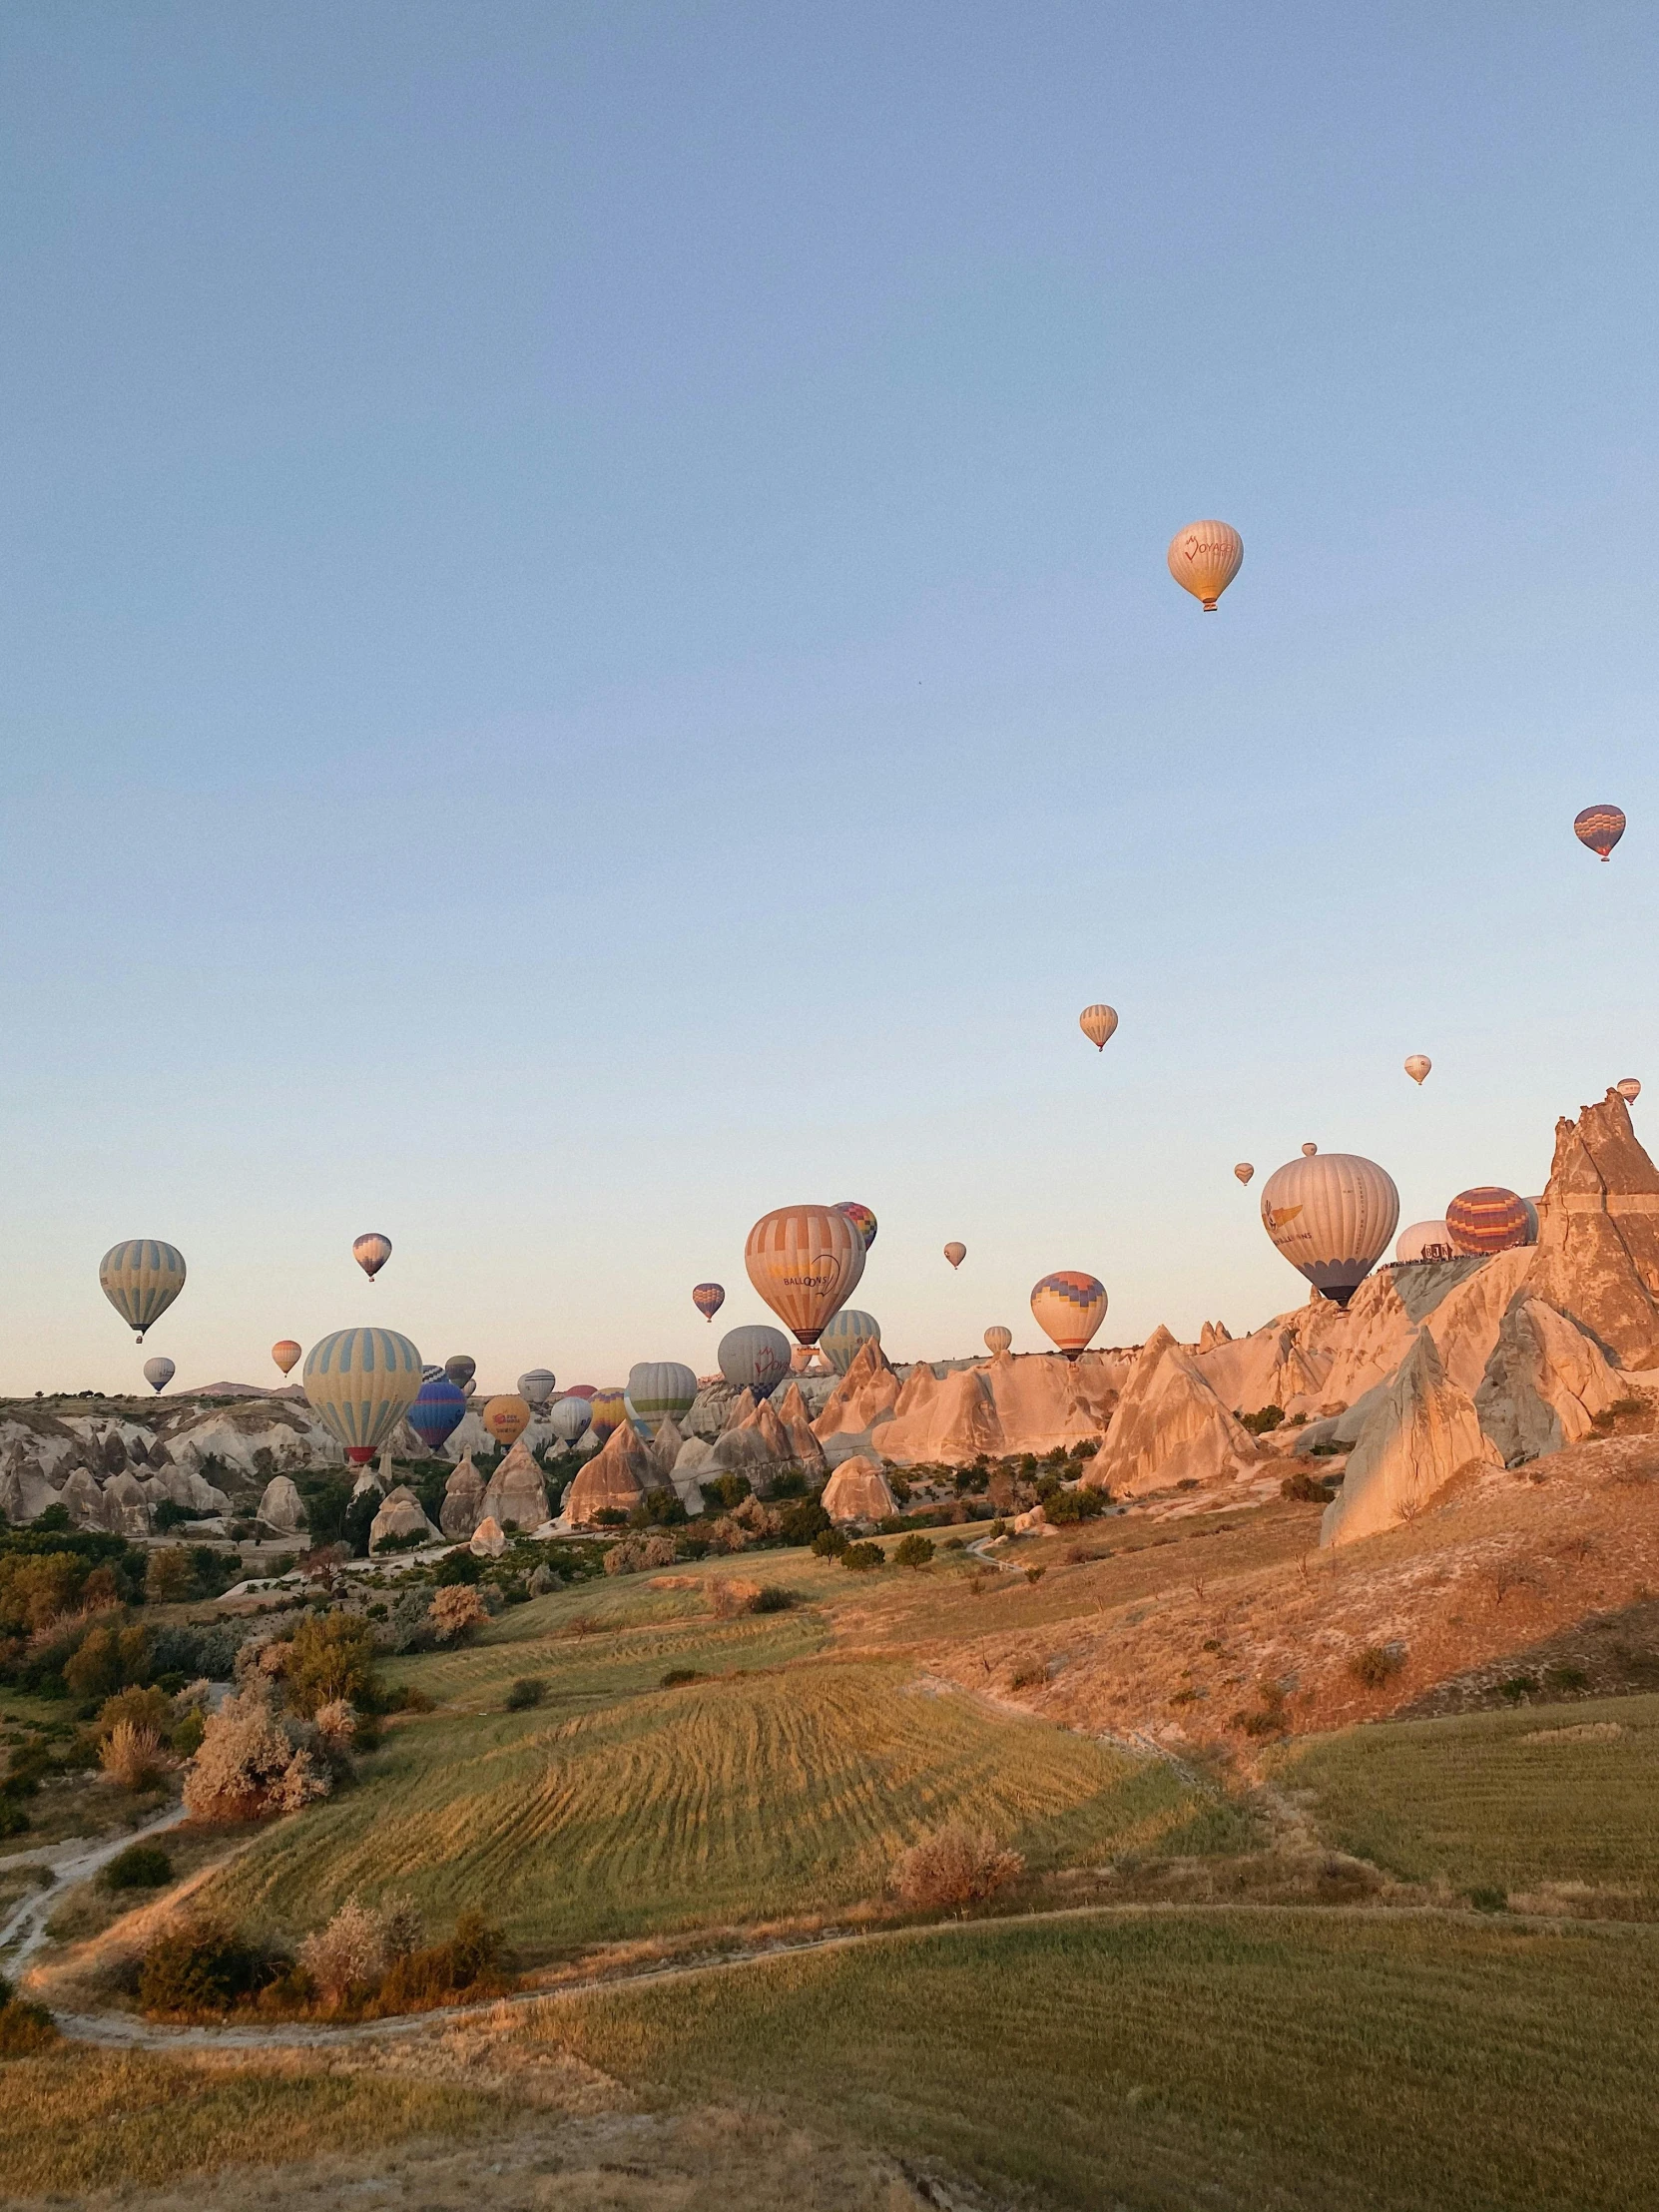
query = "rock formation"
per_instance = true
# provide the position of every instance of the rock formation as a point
(1597, 1255)
(1543, 1384)
(127, 1510)
(463, 1502)
(953, 1421)
(1423, 1431)
(290, 1438)
(400, 1516)
(692, 1460)
(25, 1493)
(613, 1482)
(84, 1499)
(866, 1395)
(281, 1511)
(489, 1539)
(1470, 1314)
(857, 1492)
(1168, 1427)
(517, 1497)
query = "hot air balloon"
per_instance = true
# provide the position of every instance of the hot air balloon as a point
(1533, 1205)
(1628, 1089)
(1308, 1150)
(755, 1358)
(141, 1278)
(1203, 558)
(709, 1298)
(846, 1335)
(1600, 827)
(570, 1418)
(955, 1254)
(999, 1340)
(1488, 1219)
(589, 1390)
(286, 1353)
(362, 1381)
(1069, 1308)
(862, 1215)
(538, 1387)
(1098, 1024)
(439, 1410)
(460, 1370)
(1418, 1065)
(659, 1390)
(1244, 1171)
(806, 1262)
(430, 1372)
(1331, 1214)
(158, 1374)
(506, 1418)
(609, 1410)
(372, 1251)
(1425, 1240)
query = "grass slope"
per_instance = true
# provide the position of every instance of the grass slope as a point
(1245, 2062)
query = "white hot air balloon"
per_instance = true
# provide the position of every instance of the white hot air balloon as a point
(1425, 1240)
(1330, 1215)
(159, 1373)
(1418, 1065)
(1203, 558)
(997, 1339)
(536, 1387)
(1244, 1171)
(569, 1419)
(1098, 1024)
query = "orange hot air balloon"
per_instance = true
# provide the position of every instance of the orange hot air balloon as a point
(1098, 1024)
(506, 1418)
(1629, 1089)
(1244, 1171)
(1069, 1306)
(1600, 827)
(1203, 558)
(1418, 1066)
(955, 1253)
(806, 1262)
(1488, 1219)
(285, 1353)
(610, 1410)
(997, 1339)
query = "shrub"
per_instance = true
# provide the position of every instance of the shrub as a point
(249, 1764)
(912, 1551)
(24, 2027)
(770, 1598)
(861, 1558)
(457, 1611)
(1260, 1423)
(1517, 1687)
(729, 1489)
(131, 1757)
(658, 1509)
(1627, 1405)
(1566, 1678)
(529, 1690)
(1063, 1507)
(1376, 1664)
(348, 1955)
(332, 1657)
(677, 1677)
(1306, 1488)
(459, 1565)
(1030, 1676)
(830, 1543)
(358, 1520)
(1035, 1575)
(803, 1523)
(954, 1868)
(106, 1660)
(170, 1577)
(336, 1725)
(476, 1961)
(729, 1596)
(205, 1968)
(139, 1867)
(1489, 1900)
(151, 1707)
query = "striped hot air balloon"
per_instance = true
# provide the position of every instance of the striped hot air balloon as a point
(506, 1417)
(372, 1251)
(141, 1278)
(537, 1387)
(1331, 1214)
(999, 1340)
(1244, 1171)
(609, 1410)
(1099, 1025)
(439, 1410)
(1488, 1219)
(360, 1383)
(806, 1262)
(1628, 1088)
(1203, 558)
(755, 1358)
(286, 1353)
(569, 1417)
(846, 1337)
(1069, 1306)
(1599, 827)
(709, 1298)
(659, 1390)
(860, 1213)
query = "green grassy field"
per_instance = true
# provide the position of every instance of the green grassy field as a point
(1298, 2061)
(1506, 1801)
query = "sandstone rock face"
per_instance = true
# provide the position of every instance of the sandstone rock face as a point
(467, 1437)
(866, 1395)
(463, 1502)
(1598, 1255)
(666, 1447)
(1168, 1427)
(613, 1481)
(25, 1493)
(1470, 1314)
(489, 1539)
(857, 1492)
(995, 1408)
(1423, 1430)
(740, 1407)
(517, 1497)
(368, 1478)
(1368, 1341)
(84, 1499)
(1543, 1382)
(1423, 1284)
(126, 1507)
(953, 1421)
(1270, 1366)
(400, 1516)
(692, 1458)
(281, 1511)
(290, 1437)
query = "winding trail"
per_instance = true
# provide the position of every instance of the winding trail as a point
(67, 1862)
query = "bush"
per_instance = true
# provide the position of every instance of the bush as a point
(803, 1523)
(170, 1577)
(729, 1489)
(332, 1657)
(658, 1509)
(476, 1962)
(1488, 1900)
(151, 1707)
(1062, 1507)
(912, 1551)
(1261, 1422)
(106, 1660)
(1566, 1679)
(131, 1757)
(1376, 1664)
(139, 1867)
(677, 1678)
(770, 1598)
(457, 1566)
(861, 1558)
(1307, 1488)
(24, 2027)
(830, 1543)
(348, 1959)
(457, 1611)
(204, 1968)
(529, 1690)
(358, 1520)
(249, 1764)
(954, 1868)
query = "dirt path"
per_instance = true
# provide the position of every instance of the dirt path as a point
(67, 1862)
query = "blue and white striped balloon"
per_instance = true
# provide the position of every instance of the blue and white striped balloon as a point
(141, 1278)
(362, 1381)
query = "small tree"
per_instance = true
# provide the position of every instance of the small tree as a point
(954, 1868)
(914, 1551)
(170, 1577)
(249, 1764)
(332, 1658)
(861, 1558)
(349, 1953)
(456, 1611)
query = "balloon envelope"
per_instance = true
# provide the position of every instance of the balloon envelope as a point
(159, 1373)
(589, 1390)
(438, 1412)
(1425, 1240)
(998, 1339)
(1098, 1024)
(286, 1353)
(1069, 1306)
(1488, 1219)
(537, 1387)
(141, 1278)
(659, 1390)
(754, 1358)
(1600, 827)
(570, 1418)
(1331, 1214)
(846, 1335)
(460, 1370)
(506, 1417)
(955, 1254)
(1244, 1171)
(1203, 558)
(609, 1410)
(709, 1298)
(1418, 1065)
(806, 1262)
(1629, 1089)
(360, 1383)
(372, 1251)
(860, 1213)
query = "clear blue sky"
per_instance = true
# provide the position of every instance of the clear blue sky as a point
(585, 648)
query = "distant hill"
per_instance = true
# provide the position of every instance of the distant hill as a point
(240, 1390)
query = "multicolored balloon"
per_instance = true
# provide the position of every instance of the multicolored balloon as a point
(755, 1358)
(806, 1262)
(141, 1278)
(439, 1410)
(506, 1417)
(846, 1337)
(1488, 1219)
(569, 1419)
(158, 1374)
(1068, 1308)
(1331, 1214)
(1629, 1089)
(286, 1353)
(709, 1298)
(1244, 1171)
(430, 1372)
(999, 1340)
(1203, 558)
(1599, 827)
(538, 1387)
(361, 1384)
(659, 1390)
(609, 1410)
(1099, 1025)
(1418, 1065)
(860, 1213)
(372, 1251)
(955, 1253)
(460, 1370)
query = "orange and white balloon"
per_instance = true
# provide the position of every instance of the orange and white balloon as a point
(1098, 1024)
(1628, 1089)
(1244, 1171)
(1203, 558)
(285, 1353)
(1331, 1214)
(1068, 1308)
(955, 1253)
(1418, 1065)
(806, 1262)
